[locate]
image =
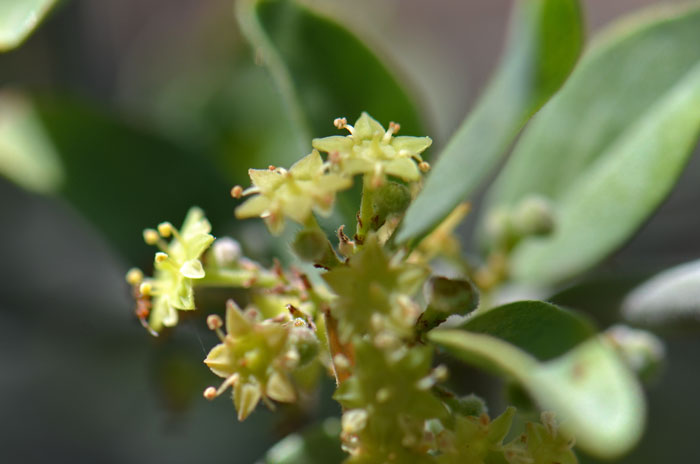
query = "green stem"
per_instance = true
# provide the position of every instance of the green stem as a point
(237, 278)
(366, 209)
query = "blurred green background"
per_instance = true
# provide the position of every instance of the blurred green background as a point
(81, 380)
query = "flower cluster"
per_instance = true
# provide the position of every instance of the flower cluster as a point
(312, 184)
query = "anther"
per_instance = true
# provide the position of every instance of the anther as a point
(210, 393)
(214, 322)
(165, 229)
(424, 166)
(145, 288)
(151, 236)
(271, 168)
(237, 191)
(160, 257)
(340, 123)
(134, 276)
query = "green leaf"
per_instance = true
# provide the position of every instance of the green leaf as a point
(610, 146)
(546, 39)
(317, 445)
(670, 296)
(579, 377)
(322, 70)
(122, 179)
(18, 18)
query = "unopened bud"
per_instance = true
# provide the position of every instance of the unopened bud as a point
(390, 199)
(447, 297)
(311, 245)
(226, 251)
(534, 216)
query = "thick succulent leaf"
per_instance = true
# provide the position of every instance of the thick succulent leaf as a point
(610, 146)
(546, 39)
(316, 62)
(18, 18)
(585, 384)
(317, 445)
(112, 173)
(671, 296)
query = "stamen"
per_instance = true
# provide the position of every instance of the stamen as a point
(151, 236)
(134, 276)
(161, 257)
(146, 289)
(210, 393)
(237, 192)
(424, 166)
(165, 229)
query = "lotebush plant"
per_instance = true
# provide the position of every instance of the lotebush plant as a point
(379, 287)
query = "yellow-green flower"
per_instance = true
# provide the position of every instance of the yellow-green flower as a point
(293, 193)
(176, 266)
(253, 358)
(370, 149)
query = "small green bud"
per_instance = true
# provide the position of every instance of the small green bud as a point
(305, 342)
(447, 297)
(498, 227)
(533, 216)
(469, 405)
(311, 245)
(390, 199)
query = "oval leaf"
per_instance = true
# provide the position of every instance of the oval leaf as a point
(671, 296)
(316, 64)
(112, 173)
(18, 18)
(546, 40)
(585, 384)
(609, 147)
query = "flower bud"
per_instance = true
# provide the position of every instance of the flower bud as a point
(226, 251)
(469, 405)
(305, 342)
(447, 297)
(390, 199)
(534, 216)
(311, 245)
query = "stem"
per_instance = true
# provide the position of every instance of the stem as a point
(237, 278)
(366, 209)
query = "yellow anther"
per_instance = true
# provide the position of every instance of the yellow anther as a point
(146, 288)
(210, 393)
(160, 257)
(165, 229)
(424, 166)
(134, 276)
(271, 167)
(151, 236)
(237, 191)
(394, 127)
(214, 322)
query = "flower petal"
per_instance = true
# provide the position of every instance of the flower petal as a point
(192, 269)
(366, 127)
(308, 167)
(253, 207)
(265, 180)
(333, 144)
(403, 168)
(411, 146)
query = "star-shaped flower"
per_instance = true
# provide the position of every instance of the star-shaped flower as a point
(254, 358)
(370, 149)
(293, 193)
(176, 266)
